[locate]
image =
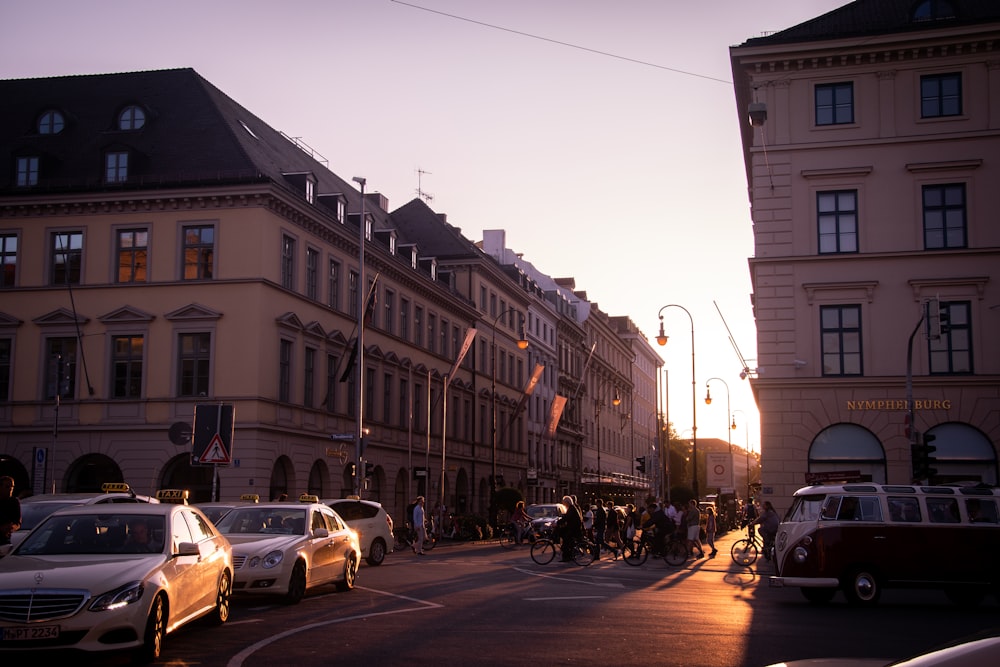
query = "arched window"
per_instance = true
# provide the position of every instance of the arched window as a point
(844, 447)
(131, 118)
(963, 454)
(51, 122)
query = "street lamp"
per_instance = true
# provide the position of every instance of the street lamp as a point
(598, 403)
(522, 344)
(746, 428)
(360, 360)
(729, 414)
(662, 340)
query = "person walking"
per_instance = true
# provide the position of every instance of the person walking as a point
(10, 509)
(419, 526)
(692, 519)
(711, 525)
(521, 521)
(613, 532)
(768, 522)
(600, 526)
(570, 528)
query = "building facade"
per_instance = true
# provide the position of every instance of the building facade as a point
(871, 138)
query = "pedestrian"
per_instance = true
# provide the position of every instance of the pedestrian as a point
(10, 509)
(521, 521)
(710, 528)
(569, 528)
(768, 522)
(600, 527)
(613, 532)
(655, 522)
(631, 521)
(588, 522)
(418, 526)
(692, 519)
(750, 517)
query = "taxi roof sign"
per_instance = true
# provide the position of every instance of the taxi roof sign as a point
(308, 498)
(179, 496)
(250, 498)
(116, 487)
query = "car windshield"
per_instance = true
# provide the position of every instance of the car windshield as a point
(81, 534)
(33, 513)
(266, 520)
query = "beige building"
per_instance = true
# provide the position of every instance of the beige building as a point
(871, 138)
(164, 251)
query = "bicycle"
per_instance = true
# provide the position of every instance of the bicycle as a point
(675, 552)
(406, 537)
(746, 551)
(512, 535)
(544, 550)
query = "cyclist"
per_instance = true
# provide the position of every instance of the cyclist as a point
(769, 522)
(661, 525)
(569, 528)
(520, 521)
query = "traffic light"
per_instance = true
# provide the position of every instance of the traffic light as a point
(352, 468)
(369, 469)
(641, 464)
(923, 456)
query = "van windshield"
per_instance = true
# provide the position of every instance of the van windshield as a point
(805, 508)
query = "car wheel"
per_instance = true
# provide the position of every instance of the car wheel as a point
(223, 597)
(376, 552)
(350, 574)
(862, 587)
(296, 584)
(156, 630)
(818, 595)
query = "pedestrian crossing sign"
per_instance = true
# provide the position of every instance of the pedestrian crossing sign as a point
(212, 434)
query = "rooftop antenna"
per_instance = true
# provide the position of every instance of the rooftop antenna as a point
(747, 371)
(426, 196)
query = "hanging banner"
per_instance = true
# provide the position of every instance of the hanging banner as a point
(558, 403)
(470, 335)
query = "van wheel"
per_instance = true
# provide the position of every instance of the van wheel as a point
(965, 596)
(862, 587)
(818, 595)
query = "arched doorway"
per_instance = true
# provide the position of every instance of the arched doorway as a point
(282, 478)
(461, 501)
(180, 474)
(89, 472)
(319, 479)
(843, 447)
(11, 467)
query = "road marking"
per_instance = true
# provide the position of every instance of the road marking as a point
(568, 597)
(573, 578)
(423, 605)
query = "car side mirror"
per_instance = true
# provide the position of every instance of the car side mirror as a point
(320, 532)
(188, 549)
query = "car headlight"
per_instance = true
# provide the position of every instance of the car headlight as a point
(119, 597)
(800, 554)
(272, 559)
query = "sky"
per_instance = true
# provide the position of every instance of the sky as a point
(602, 135)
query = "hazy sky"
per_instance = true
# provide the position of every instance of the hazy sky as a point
(602, 135)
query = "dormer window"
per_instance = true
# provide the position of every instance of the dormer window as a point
(51, 122)
(310, 190)
(27, 171)
(131, 118)
(116, 167)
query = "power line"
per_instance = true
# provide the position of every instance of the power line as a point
(560, 43)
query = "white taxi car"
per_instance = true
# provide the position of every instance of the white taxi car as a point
(372, 523)
(286, 548)
(103, 578)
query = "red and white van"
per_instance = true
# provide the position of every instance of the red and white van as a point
(861, 538)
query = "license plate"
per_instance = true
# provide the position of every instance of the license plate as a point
(36, 632)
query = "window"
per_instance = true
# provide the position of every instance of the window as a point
(404, 403)
(370, 394)
(116, 167)
(285, 371)
(27, 171)
(131, 118)
(133, 255)
(940, 95)
(951, 353)
(67, 255)
(841, 339)
(404, 319)
(943, 510)
(199, 252)
(837, 221)
(418, 326)
(333, 285)
(834, 103)
(6, 345)
(371, 304)
(312, 273)
(331, 382)
(390, 315)
(309, 383)
(444, 337)
(8, 259)
(193, 359)
(352, 294)
(51, 122)
(60, 367)
(431, 332)
(126, 366)
(287, 262)
(387, 398)
(944, 216)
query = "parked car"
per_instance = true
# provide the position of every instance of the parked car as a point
(215, 510)
(372, 523)
(35, 508)
(286, 548)
(544, 517)
(90, 578)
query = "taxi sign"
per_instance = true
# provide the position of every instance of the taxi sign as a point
(179, 496)
(308, 498)
(250, 498)
(115, 487)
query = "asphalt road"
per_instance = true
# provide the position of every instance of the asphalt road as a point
(477, 604)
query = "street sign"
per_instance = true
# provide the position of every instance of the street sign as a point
(349, 437)
(212, 434)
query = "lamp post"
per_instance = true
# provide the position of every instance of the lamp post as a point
(598, 404)
(729, 414)
(522, 344)
(359, 402)
(746, 428)
(662, 340)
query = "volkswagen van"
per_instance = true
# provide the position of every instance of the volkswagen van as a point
(861, 538)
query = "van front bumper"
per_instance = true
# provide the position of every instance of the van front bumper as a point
(802, 582)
